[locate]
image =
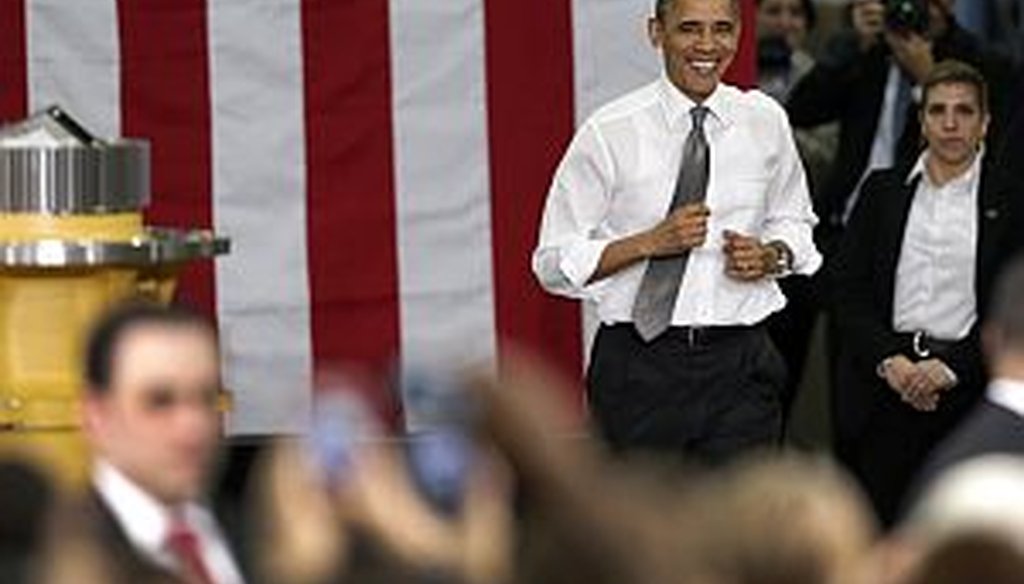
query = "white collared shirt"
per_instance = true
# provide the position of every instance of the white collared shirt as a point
(1007, 393)
(934, 289)
(147, 522)
(618, 177)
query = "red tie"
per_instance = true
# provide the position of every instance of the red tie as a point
(183, 542)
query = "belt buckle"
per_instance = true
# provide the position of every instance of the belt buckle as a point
(920, 346)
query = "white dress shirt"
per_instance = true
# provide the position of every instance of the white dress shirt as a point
(935, 274)
(147, 523)
(1007, 393)
(618, 177)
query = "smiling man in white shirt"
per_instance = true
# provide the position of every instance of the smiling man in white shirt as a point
(674, 209)
(152, 418)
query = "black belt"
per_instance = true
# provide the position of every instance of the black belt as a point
(694, 336)
(923, 345)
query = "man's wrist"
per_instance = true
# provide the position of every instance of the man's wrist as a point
(778, 259)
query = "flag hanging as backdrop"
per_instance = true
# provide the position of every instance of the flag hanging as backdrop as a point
(380, 166)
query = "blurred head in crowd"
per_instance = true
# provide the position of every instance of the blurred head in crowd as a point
(151, 400)
(971, 557)
(1003, 335)
(787, 19)
(979, 494)
(25, 498)
(954, 113)
(788, 520)
(698, 40)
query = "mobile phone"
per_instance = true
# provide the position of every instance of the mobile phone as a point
(440, 416)
(340, 421)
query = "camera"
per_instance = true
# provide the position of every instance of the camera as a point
(907, 16)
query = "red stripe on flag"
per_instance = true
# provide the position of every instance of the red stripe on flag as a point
(165, 97)
(352, 247)
(13, 61)
(530, 117)
(743, 71)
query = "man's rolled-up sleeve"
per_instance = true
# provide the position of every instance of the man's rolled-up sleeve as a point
(568, 251)
(790, 217)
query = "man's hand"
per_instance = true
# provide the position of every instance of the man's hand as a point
(868, 22)
(932, 380)
(913, 52)
(899, 372)
(746, 258)
(684, 229)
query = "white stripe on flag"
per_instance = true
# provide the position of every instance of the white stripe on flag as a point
(74, 60)
(259, 200)
(611, 57)
(442, 180)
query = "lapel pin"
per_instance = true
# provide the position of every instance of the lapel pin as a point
(991, 213)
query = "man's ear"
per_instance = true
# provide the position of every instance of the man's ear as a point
(91, 414)
(655, 32)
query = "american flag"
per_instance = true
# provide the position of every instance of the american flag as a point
(380, 165)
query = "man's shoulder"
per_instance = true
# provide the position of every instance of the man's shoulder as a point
(988, 429)
(627, 105)
(87, 516)
(752, 102)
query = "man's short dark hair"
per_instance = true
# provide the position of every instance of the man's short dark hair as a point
(102, 344)
(1006, 311)
(662, 6)
(953, 71)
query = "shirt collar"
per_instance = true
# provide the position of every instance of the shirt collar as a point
(1008, 393)
(145, 520)
(919, 170)
(678, 105)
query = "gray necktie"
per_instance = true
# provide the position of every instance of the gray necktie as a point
(656, 298)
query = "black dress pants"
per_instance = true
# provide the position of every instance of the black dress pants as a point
(896, 441)
(706, 394)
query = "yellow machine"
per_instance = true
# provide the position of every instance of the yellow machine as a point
(72, 242)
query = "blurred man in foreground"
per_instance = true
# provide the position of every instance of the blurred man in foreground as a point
(151, 416)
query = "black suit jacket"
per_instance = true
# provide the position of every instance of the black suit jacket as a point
(989, 429)
(865, 277)
(128, 565)
(93, 519)
(848, 86)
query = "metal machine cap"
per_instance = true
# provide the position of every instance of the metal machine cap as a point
(49, 164)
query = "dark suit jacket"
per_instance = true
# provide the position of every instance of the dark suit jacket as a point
(128, 565)
(989, 429)
(92, 519)
(848, 86)
(865, 276)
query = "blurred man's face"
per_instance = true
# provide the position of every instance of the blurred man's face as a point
(953, 123)
(783, 19)
(159, 423)
(698, 40)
